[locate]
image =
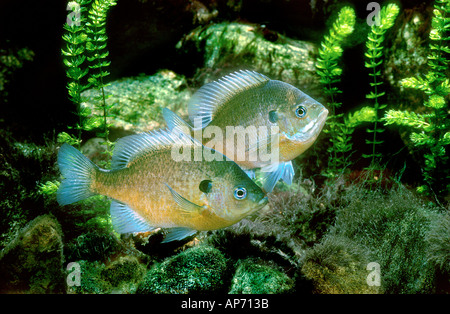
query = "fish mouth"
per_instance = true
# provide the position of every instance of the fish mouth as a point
(311, 130)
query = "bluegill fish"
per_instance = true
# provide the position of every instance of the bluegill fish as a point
(250, 99)
(150, 189)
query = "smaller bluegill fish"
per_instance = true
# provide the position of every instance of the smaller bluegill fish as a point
(150, 189)
(253, 101)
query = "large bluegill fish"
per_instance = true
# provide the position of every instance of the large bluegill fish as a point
(253, 101)
(151, 189)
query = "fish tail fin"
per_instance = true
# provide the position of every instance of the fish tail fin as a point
(78, 172)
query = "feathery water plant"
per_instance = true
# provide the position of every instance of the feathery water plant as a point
(85, 39)
(374, 54)
(432, 129)
(74, 57)
(96, 46)
(328, 69)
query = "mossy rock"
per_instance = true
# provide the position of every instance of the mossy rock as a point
(92, 246)
(389, 228)
(33, 261)
(338, 265)
(120, 276)
(136, 102)
(247, 45)
(90, 279)
(258, 277)
(200, 269)
(125, 271)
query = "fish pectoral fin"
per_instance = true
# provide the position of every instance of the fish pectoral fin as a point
(178, 233)
(187, 206)
(126, 220)
(288, 173)
(275, 172)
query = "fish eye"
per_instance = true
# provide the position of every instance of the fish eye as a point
(300, 112)
(240, 193)
(273, 116)
(205, 186)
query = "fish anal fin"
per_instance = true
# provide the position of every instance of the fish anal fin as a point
(126, 220)
(177, 234)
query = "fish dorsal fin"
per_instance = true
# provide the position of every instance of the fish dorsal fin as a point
(210, 97)
(130, 147)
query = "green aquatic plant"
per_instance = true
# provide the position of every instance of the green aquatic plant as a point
(431, 132)
(74, 58)
(85, 38)
(329, 70)
(98, 64)
(374, 55)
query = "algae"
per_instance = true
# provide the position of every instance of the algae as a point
(259, 277)
(201, 269)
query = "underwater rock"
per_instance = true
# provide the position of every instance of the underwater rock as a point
(393, 227)
(92, 246)
(33, 261)
(120, 276)
(200, 269)
(137, 101)
(258, 277)
(277, 56)
(126, 270)
(338, 265)
(438, 241)
(94, 149)
(22, 166)
(90, 279)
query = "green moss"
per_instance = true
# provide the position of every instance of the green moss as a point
(125, 273)
(439, 243)
(32, 262)
(394, 228)
(200, 269)
(120, 276)
(92, 246)
(257, 277)
(338, 265)
(90, 279)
